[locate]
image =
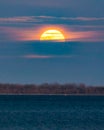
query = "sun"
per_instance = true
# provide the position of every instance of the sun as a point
(52, 35)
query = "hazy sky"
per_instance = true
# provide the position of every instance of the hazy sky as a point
(24, 59)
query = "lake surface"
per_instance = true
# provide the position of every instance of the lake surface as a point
(42, 112)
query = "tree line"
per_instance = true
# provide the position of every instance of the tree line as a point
(50, 89)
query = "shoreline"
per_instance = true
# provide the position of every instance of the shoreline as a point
(51, 94)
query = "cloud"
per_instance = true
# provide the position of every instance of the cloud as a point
(29, 28)
(17, 34)
(87, 36)
(22, 19)
(46, 56)
(72, 33)
(84, 18)
(34, 56)
(50, 19)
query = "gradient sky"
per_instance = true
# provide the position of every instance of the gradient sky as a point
(24, 59)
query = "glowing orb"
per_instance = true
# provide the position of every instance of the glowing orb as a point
(52, 35)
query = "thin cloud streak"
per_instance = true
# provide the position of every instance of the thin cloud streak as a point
(19, 19)
(46, 56)
(84, 18)
(33, 56)
(41, 19)
(36, 56)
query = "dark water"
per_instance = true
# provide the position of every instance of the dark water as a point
(51, 112)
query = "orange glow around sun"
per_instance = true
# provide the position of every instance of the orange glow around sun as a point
(60, 33)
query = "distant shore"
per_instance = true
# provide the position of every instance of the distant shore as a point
(51, 94)
(51, 89)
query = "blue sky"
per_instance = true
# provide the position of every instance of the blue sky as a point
(24, 59)
(72, 8)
